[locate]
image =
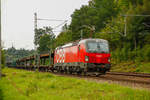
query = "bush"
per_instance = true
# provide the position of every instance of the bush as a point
(123, 54)
(138, 55)
(146, 53)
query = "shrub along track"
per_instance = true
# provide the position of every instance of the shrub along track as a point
(135, 80)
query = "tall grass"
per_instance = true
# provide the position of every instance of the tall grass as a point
(45, 86)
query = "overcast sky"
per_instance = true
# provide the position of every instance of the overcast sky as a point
(18, 18)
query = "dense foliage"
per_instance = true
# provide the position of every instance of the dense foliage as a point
(12, 54)
(44, 39)
(106, 19)
(3, 58)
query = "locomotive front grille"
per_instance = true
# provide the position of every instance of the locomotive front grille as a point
(97, 60)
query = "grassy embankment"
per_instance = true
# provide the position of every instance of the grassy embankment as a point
(130, 66)
(25, 85)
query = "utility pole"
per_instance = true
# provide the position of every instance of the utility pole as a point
(37, 57)
(35, 29)
(0, 43)
(125, 21)
(35, 22)
(125, 29)
(92, 29)
(125, 26)
(81, 34)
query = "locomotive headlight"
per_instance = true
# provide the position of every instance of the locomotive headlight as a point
(86, 58)
(108, 59)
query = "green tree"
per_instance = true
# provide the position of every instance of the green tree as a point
(95, 14)
(46, 43)
(3, 59)
(63, 38)
(12, 54)
(44, 39)
(106, 17)
(40, 32)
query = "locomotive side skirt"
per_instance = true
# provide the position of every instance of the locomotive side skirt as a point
(89, 67)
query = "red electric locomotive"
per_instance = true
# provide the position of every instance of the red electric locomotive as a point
(87, 55)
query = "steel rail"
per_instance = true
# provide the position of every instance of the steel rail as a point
(130, 74)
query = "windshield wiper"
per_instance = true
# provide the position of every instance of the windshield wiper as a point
(103, 52)
(93, 51)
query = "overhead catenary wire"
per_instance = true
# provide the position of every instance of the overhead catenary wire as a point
(60, 24)
(44, 19)
(50, 19)
(64, 21)
(136, 15)
(125, 21)
(131, 15)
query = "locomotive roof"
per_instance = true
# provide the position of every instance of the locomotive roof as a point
(81, 41)
(97, 40)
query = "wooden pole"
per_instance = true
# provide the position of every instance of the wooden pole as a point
(0, 43)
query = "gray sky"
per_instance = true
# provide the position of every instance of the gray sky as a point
(18, 18)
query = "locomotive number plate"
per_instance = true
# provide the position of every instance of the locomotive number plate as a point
(98, 55)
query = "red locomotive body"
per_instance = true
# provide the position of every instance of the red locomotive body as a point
(87, 55)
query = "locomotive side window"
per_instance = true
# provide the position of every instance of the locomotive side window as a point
(97, 47)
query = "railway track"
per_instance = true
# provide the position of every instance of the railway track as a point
(124, 77)
(121, 79)
(129, 79)
(117, 76)
(144, 75)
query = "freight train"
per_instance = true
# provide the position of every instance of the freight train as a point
(83, 56)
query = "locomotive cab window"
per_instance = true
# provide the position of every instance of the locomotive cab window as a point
(97, 47)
